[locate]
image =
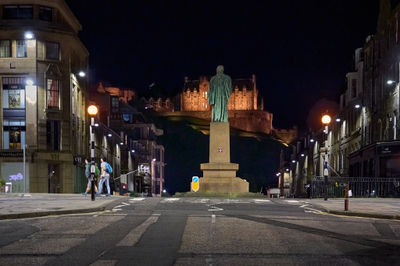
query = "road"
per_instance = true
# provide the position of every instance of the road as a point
(196, 231)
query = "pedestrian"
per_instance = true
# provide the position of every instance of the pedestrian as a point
(88, 175)
(104, 176)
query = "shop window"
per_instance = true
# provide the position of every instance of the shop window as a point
(17, 12)
(5, 48)
(53, 94)
(13, 97)
(52, 50)
(13, 134)
(22, 48)
(46, 13)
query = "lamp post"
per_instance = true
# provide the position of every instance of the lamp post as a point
(92, 111)
(326, 119)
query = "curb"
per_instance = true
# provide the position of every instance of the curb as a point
(107, 206)
(356, 214)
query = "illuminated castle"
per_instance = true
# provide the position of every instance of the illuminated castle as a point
(194, 96)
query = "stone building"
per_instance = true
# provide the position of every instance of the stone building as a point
(138, 141)
(42, 96)
(194, 96)
(363, 138)
(380, 150)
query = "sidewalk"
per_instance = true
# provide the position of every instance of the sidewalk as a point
(388, 208)
(18, 205)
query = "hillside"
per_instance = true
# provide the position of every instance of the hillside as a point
(186, 146)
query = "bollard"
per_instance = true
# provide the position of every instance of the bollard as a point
(346, 198)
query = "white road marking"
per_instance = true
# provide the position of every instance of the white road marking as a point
(119, 206)
(168, 200)
(135, 234)
(137, 199)
(213, 219)
(95, 215)
(126, 204)
(309, 211)
(213, 209)
(302, 206)
(292, 201)
(261, 200)
(115, 209)
(104, 263)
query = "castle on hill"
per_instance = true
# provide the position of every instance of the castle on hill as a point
(194, 96)
(246, 106)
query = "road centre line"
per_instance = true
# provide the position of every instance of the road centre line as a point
(136, 233)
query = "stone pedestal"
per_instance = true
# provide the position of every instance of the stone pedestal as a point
(219, 175)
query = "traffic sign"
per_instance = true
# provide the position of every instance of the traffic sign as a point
(195, 183)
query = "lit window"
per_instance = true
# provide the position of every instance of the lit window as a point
(5, 48)
(53, 94)
(21, 48)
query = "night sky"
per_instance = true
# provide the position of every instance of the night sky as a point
(299, 50)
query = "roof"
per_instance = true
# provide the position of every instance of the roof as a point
(240, 83)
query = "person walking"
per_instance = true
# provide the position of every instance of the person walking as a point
(104, 176)
(87, 174)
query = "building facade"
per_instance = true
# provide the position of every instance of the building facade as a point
(244, 96)
(138, 142)
(379, 153)
(43, 102)
(363, 139)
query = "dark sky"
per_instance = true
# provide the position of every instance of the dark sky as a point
(299, 50)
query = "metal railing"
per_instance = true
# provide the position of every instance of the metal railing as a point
(360, 186)
(128, 179)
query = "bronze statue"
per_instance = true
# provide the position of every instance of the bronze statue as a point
(220, 90)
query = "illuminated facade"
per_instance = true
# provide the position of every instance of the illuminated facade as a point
(42, 96)
(244, 95)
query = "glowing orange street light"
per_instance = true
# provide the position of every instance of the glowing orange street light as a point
(92, 110)
(326, 120)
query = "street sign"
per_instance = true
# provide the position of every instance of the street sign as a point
(195, 183)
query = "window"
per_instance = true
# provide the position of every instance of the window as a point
(5, 48)
(14, 97)
(53, 94)
(18, 12)
(353, 88)
(13, 134)
(53, 135)
(21, 48)
(114, 104)
(45, 13)
(52, 50)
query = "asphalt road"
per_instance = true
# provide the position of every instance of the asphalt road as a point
(195, 231)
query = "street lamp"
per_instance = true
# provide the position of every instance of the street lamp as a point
(326, 119)
(28, 35)
(92, 111)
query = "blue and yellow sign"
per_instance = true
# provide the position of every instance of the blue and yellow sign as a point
(195, 183)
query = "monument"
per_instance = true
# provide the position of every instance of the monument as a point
(219, 174)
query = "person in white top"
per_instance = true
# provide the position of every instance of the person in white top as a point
(104, 177)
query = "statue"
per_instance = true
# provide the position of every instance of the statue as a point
(220, 90)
